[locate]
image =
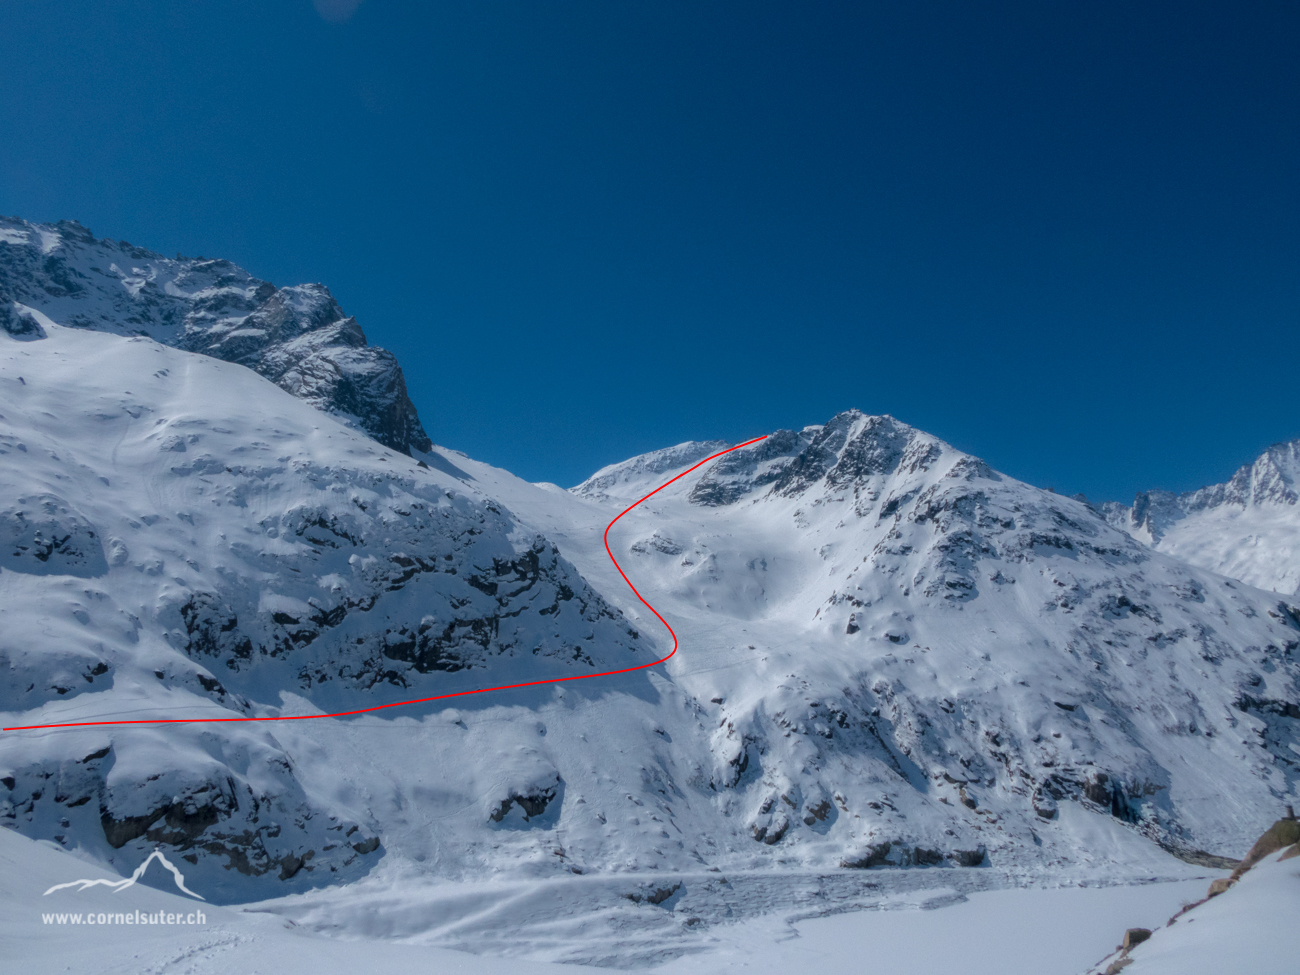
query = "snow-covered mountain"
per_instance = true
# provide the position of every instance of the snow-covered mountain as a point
(182, 538)
(891, 654)
(991, 643)
(1247, 529)
(297, 337)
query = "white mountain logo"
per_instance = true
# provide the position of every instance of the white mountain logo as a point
(122, 885)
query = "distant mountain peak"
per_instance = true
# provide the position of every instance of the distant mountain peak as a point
(1247, 527)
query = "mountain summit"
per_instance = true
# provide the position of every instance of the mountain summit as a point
(297, 337)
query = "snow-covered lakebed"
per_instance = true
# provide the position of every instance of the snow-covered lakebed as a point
(907, 921)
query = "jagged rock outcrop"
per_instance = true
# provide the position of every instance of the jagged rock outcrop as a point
(297, 337)
(889, 653)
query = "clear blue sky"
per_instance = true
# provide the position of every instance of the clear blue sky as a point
(1064, 236)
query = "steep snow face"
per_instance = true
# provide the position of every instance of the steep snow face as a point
(183, 539)
(1248, 528)
(297, 337)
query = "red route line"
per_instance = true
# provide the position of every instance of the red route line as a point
(443, 697)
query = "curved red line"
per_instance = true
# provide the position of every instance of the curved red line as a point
(442, 697)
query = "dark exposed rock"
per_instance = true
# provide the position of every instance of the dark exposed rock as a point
(42, 534)
(923, 857)
(1044, 805)
(1098, 788)
(211, 628)
(773, 832)
(655, 895)
(179, 826)
(532, 804)
(817, 813)
(459, 641)
(300, 339)
(1135, 936)
(1199, 858)
(969, 858)
(1284, 709)
(22, 327)
(291, 863)
(792, 461)
(876, 855)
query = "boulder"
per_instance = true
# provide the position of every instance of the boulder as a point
(1044, 805)
(1135, 936)
(1217, 887)
(969, 858)
(926, 858)
(876, 855)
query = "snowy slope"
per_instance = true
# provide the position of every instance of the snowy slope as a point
(298, 337)
(1247, 528)
(1044, 931)
(1249, 928)
(219, 941)
(891, 654)
(185, 539)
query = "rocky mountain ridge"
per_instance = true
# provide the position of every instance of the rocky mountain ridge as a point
(1247, 528)
(929, 551)
(297, 337)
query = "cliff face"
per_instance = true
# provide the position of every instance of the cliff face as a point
(297, 337)
(906, 611)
